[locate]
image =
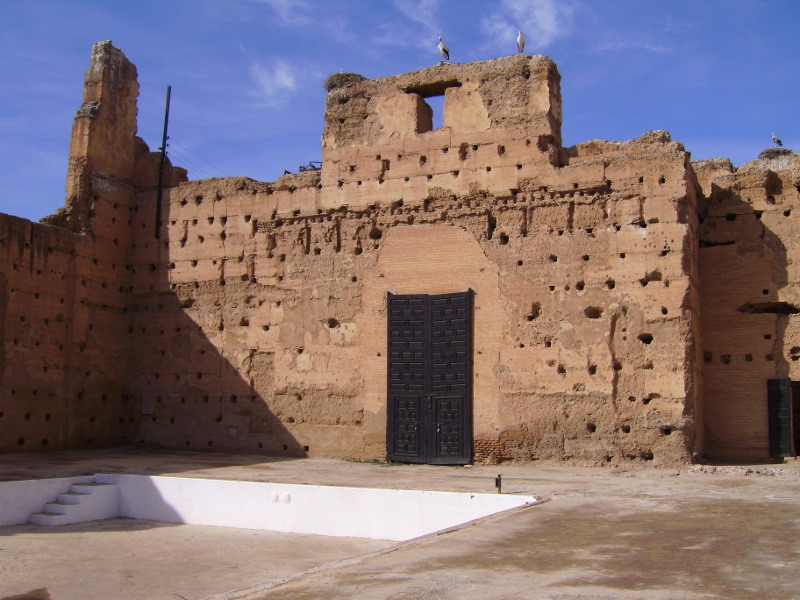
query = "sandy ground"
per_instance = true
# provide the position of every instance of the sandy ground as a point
(697, 532)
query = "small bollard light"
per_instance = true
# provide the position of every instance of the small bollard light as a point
(498, 483)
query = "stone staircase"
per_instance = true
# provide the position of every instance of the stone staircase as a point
(82, 502)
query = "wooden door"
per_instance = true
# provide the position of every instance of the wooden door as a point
(430, 378)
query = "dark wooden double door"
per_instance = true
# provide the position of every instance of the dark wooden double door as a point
(783, 412)
(430, 379)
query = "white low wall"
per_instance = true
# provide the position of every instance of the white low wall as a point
(311, 509)
(18, 499)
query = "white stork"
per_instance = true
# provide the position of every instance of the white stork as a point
(520, 41)
(443, 49)
(776, 139)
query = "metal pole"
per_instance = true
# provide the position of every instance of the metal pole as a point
(161, 165)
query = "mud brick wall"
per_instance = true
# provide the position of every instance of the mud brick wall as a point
(66, 362)
(749, 273)
(65, 283)
(261, 327)
(629, 305)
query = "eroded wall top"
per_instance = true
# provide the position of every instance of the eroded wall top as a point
(515, 91)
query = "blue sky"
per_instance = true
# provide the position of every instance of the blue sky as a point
(247, 75)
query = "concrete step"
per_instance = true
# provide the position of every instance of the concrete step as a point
(58, 508)
(48, 519)
(89, 488)
(83, 502)
(70, 498)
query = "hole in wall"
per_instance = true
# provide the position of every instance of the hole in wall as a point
(536, 310)
(593, 312)
(645, 338)
(651, 276)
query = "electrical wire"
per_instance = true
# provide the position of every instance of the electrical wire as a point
(185, 161)
(224, 174)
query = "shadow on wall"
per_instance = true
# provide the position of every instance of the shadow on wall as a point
(197, 386)
(743, 268)
(38, 594)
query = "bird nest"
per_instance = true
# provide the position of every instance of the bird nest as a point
(339, 80)
(775, 153)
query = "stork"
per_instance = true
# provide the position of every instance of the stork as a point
(520, 41)
(443, 49)
(776, 139)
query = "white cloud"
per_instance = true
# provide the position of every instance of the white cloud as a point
(274, 82)
(542, 22)
(420, 11)
(423, 14)
(294, 13)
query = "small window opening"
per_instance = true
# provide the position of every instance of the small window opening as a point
(433, 98)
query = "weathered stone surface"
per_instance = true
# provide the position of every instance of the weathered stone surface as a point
(619, 289)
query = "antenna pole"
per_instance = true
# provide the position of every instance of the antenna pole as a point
(161, 165)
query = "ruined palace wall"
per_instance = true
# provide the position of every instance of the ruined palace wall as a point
(63, 298)
(259, 322)
(65, 284)
(749, 272)
(502, 123)
(67, 323)
(258, 326)
(218, 367)
(256, 320)
(35, 301)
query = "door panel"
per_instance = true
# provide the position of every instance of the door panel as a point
(779, 410)
(430, 369)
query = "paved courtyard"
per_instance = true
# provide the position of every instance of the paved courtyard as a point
(689, 533)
